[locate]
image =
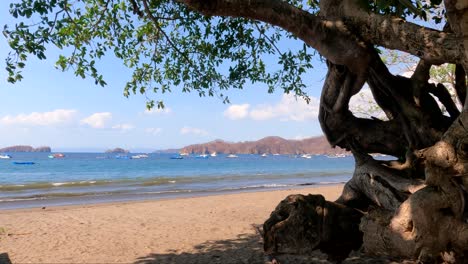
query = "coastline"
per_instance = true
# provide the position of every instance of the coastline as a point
(136, 197)
(205, 229)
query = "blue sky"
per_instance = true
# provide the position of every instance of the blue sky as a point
(58, 109)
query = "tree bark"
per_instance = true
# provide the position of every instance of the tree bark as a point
(332, 37)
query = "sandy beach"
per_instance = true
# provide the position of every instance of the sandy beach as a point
(210, 229)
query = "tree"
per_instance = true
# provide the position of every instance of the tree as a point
(412, 207)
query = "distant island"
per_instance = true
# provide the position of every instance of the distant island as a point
(117, 150)
(268, 145)
(25, 149)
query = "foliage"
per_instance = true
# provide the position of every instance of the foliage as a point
(406, 8)
(167, 46)
(164, 44)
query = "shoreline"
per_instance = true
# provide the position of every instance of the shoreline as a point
(206, 229)
(136, 197)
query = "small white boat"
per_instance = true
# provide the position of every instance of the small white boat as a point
(336, 156)
(232, 156)
(202, 156)
(276, 154)
(140, 156)
(184, 154)
(264, 155)
(306, 156)
(5, 156)
(213, 154)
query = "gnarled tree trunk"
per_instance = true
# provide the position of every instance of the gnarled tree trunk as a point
(413, 207)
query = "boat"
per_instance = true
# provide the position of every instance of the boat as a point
(232, 156)
(122, 157)
(213, 154)
(5, 156)
(306, 156)
(264, 155)
(24, 162)
(56, 156)
(276, 154)
(140, 156)
(336, 156)
(202, 156)
(177, 157)
(184, 154)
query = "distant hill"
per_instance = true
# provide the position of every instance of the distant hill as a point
(117, 150)
(25, 149)
(269, 145)
(166, 151)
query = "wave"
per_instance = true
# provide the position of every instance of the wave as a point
(78, 196)
(50, 185)
(169, 181)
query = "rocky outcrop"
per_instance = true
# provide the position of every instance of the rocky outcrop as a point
(25, 149)
(269, 145)
(117, 150)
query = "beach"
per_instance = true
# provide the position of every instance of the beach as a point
(208, 229)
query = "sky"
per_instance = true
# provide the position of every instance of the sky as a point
(57, 109)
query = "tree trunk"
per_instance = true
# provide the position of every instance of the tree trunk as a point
(414, 207)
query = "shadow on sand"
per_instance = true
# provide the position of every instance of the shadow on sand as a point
(4, 258)
(246, 248)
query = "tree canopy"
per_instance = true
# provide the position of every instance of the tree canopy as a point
(168, 44)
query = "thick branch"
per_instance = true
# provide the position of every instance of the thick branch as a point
(376, 184)
(327, 36)
(331, 39)
(457, 15)
(420, 117)
(445, 98)
(431, 45)
(460, 83)
(340, 126)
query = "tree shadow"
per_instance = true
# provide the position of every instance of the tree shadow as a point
(246, 248)
(4, 258)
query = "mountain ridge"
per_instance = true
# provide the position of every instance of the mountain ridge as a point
(268, 145)
(24, 148)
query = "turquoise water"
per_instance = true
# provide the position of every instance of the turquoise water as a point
(95, 177)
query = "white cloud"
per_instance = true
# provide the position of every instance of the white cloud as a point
(153, 130)
(193, 130)
(123, 127)
(363, 104)
(301, 137)
(289, 108)
(262, 112)
(156, 111)
(236, 112)
(97, 120)
(56, 117)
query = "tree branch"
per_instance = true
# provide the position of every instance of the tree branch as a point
(330, 38)
(445, 98)
(431, 45)
(333, 38)
(460, 83)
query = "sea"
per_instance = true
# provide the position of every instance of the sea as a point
(89, 178)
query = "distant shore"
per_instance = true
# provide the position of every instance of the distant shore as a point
(209, 229)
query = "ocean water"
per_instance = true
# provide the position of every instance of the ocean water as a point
(82, 178)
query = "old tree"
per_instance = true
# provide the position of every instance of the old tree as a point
(413, 207)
